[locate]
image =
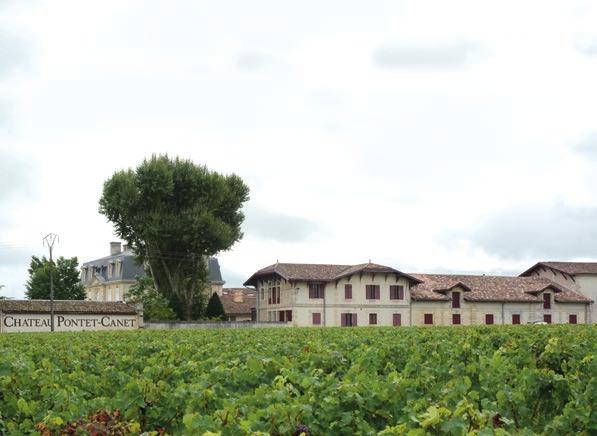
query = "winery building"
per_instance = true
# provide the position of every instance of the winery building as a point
(372, 294)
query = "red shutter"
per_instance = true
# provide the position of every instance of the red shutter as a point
(322, 290)
(401, 292)
(343, 319)
(547, 319)
(572, 319)
(354, 319)
(311, 291)
(489, 318)
(456, 318)
(546, 301)
(347, 292)
(516, 318)
(428, 318)
(289, 315)
(456, 300)
(281, 315)
(397, 319)
(367, 293)
(377, 292)
(316, 318)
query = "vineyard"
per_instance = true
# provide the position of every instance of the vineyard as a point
(387, 381)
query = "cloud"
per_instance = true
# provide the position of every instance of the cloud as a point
(279, 227)
(12, 54)
(556, 232)
(232, 278)
(252, 61)
(427, 56)
(14, 179)
(588, 146)
(588, 47)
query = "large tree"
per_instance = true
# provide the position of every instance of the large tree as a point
(175, 214)
(155, 305)
(67, 285)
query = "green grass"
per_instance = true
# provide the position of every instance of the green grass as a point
(451, 380)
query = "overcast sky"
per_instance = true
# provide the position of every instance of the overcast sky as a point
(429, 136)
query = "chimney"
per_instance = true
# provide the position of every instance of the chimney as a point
(238, 296)
(114, 248)
(125, 248)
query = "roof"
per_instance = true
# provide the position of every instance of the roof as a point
(491, 288)
(66, 306)
(213, 266)
(232, 307)
(571, 268)
(131, 269)
(322, 272)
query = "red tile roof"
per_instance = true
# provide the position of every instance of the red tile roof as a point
(571, 268)
(322, 272)
(244, 307)
(492, 288)
(66, 306)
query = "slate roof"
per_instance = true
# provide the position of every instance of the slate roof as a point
(491, 288)
(321, 272)
(571, 268)
(232, 307)
(66, 306)
(131, 269)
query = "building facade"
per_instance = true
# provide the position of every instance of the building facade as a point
(579, 276)
(110, 277)
(372, 294)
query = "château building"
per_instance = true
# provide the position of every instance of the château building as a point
(372, 294)
(110, 277)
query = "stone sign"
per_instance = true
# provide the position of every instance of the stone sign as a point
(34, 316)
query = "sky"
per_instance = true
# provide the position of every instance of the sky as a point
(429, 136)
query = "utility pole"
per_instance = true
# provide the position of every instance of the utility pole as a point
(49, 240)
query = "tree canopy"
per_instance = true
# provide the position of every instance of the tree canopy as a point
(215, 309)
(175, 214)
(67, 285)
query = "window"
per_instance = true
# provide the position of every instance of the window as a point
(282, 318)
(373, 318)
(289, 315)
(372, 292)
(316, 290)
(547, 319)
(396, 292)
(428, 318)
(456, 318)
(396, 319)
(455, 300)
(572, 318)
(348, 319)
(515, 318)
(547, 301)
(347, 292)
(489, 318)
(316, 319)
(273, 295)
